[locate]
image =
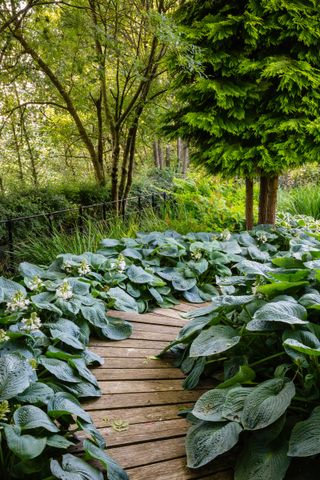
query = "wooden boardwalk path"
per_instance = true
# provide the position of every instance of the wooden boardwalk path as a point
(142, 396)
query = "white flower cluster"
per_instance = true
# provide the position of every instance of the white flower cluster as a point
(18, 302)
(225, 235)
(36, 283)
(262, 237)
(196, 255)
(67, 267)
(31, 324)
(64, 291)
(120, 264)
(84, 268)
(3, 336)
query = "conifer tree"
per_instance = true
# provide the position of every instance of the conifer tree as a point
(249, 91)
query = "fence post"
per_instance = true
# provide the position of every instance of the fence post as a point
(80, 219)
(9, 225)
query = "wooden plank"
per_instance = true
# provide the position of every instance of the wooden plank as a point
(174, 470)
(127, 363)
(152, 327)
(118, 352)
(144, 334)
(151, 431)
(150, 318)
(138, 373)
(149, 452)
(140, 386)
(167, 312)
(131, 343)
(185, 307)
(142, 399)
(104, 418)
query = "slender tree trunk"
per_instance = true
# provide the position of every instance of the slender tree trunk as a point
(249, 203)
(1, 186)
(185, 158)
(17, 145)
(160, 155)
(155, 154)
(263, 199)
(115, 171)
(179, 154)
(168, 156)
(30, 151)
(272, 200)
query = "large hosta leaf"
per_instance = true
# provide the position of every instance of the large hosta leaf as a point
(14, 376)
(37, 393)
(59, 369)
(303, 342)
(123, 301)
(180, 283)
(67, 332)
(30, 417)
(263, 460)
(66, 404)
(206, 440)
(266, 403)
(25, 447)
(74, 468)
(115, 472)
(139, 275)
(305, 436)
(117, 329)
(218, 405)
(275, 313)
(215, 340)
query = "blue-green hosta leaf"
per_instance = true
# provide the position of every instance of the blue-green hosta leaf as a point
(132, 253)
(95, 314)
(303, 342)
(253, 268)
(311, 300)
(9, 288)
(283, 312)
(59, 369)
(263, 460)
(156, 295)
(180, 283)
(66, 404)
(58, 441)
(74, 468)
(83, 389)
(215, 340)
(115, 472)
(29, 417)
(37, 393)
(314, 264)
(30, 270)
(193, 378)
(257, 254)
(219, 405)
(207, 440)
(110, 242)
(193, 295)
(117, 329)
(67, 332)
(139, 275)
(15, 376)
(80, 365)
(92, 358)
(245, 374)
(199, 267)
(267, 402)
(25, 447)
(122, 301)
(305, 436)
(44, 302)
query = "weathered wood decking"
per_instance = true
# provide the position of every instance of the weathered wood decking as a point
(142, 397)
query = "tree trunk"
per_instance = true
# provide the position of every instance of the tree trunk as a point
(272, 200)
(114, 173)
(263, 199)
(179, 154)
(185, 158)
(168, 156)
(160, 155)
(249, 203)
(17, 145)
(155, 154)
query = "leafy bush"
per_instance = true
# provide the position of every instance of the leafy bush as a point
(259, 338)
(304, 200)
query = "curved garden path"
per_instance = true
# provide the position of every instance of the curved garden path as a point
(142, 396)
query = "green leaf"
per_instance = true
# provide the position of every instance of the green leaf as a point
(123, 301)
(277, 288)
(273, 313)
(14, 376)
(180, 283)
(115, 472)
(59, 369)
(66, 404)
(305, 436)
(58, 441)
(74, 468)
(244, 375)
(266, 403)
(215, 340)
(37, 393)
(67, 332)
(206, 440)
(139, 275)
(30, 417)
(25, 447)
(95, 314)
(117, 329)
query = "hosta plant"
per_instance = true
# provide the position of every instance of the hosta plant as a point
(259, 342)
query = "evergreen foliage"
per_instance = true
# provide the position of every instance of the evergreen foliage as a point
(252, 106)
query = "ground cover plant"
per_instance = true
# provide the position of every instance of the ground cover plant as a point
(259, 340)
(47, 315)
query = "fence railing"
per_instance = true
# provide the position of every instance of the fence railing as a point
(70, 218)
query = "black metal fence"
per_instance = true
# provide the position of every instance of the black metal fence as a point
(15, 229)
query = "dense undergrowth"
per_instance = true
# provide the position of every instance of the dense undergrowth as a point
(264, 286)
